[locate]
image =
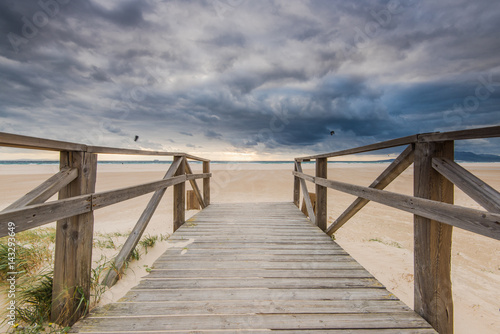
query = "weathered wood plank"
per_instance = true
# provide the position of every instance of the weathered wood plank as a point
(398, 166)
(156, 295)
(487, 132)
(133, 239)
(296, 187)
(251, 307)
(478, 190)
(305, 195)
(32, 216)
(106, 198)
(47, 189)
(373, 147)
(179, 197)
(73, 246)
(259, 321)
(12, 140)
(432, 240)
(480, 222)
(265, 273)
(250, 283)
(321, 194)
(206, 183)
(197, 265)
(194, 185)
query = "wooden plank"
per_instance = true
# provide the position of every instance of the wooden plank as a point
(487, 132)
(321, 194)
(188, 256)
(251, 307)
(398, 166)
(47, 189)
(245, 251)
(265, 273)
(157, 295)
(197, 265)
(432, 240)
(179, 197)
(194, 185)
(305, 194)
(258, 321)
(73, 246)
(32, 216)
(12, 140)
(106, 198)
(206, 183)
(373, 147)
(296, 187)
(250, 283)
(478, 190)
(480, 222)
(113, 275)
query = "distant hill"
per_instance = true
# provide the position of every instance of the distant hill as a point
(473, 157)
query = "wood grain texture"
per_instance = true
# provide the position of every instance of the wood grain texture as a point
(432, 240)
(478, 190)
(398, 166)
(73, 249)
(113, 275)
(194, 185)
(305, 194)
(206, 183)
(477, 221)
(321, 194)
(179, 204)
(207, 281)
(47, 189)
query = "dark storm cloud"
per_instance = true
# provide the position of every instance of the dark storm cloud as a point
(252, 75)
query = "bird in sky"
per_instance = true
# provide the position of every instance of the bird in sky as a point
(136, 137)
(331, 133)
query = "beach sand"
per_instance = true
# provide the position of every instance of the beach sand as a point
(379, 237)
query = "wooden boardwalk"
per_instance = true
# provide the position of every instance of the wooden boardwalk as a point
(255, 267)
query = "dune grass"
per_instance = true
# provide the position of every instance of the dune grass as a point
(34, 279)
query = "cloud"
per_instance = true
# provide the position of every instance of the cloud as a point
(268, 77)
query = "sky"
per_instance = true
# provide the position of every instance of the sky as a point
(248, 79)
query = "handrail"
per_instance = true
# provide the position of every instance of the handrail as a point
(435, 174)
(20, 141)
(488, 132)
(74, 209)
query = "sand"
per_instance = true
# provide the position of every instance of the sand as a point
(380, 238)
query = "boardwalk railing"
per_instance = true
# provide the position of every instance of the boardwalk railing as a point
(435, 174)
(73, 211)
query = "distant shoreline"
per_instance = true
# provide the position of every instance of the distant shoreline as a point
(166, 162)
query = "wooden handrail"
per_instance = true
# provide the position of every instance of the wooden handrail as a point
(477, 221)
(28, 217)
(432, 206)
(73, 211)
(27, 142)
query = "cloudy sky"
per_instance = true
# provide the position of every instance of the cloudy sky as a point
(248, 79)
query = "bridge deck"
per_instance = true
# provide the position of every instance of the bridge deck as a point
(255, 267)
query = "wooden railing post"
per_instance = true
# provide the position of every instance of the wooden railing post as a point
(73, 249)
(321, 194)
(179, 197)
(296, 188)
(206, 183)
(432, 240)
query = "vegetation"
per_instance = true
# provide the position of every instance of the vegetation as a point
(34, 278)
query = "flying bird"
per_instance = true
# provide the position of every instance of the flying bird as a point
(136, 137)
(331, 133)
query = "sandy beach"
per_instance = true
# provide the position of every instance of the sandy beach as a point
(380, 238)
